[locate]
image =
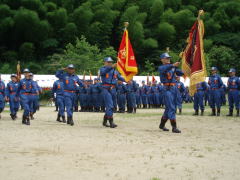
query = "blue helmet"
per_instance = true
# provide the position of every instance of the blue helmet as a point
(108, 59)
(26, 70)
(213, 69)
(232, 70)
(71, 66)
(165, 55)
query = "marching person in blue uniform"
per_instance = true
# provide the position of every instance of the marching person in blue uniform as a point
(233, 86)
(70, 81)
(58, 90)
(199, 97)
(35, 98)
(2, 96)
(11, 91)
(143, 90)
(180, 91)
(109, 77)
(24, 91)
(121, 96)
(168, 74)
(95, 95)
(131, 96)
(215, 83)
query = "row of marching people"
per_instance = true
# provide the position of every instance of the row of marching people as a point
(24, 92)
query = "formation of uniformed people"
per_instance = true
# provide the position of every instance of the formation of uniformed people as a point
(110, 94)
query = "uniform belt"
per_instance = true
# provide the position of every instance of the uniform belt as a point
(27, 93)
(13, 93)
(169, 84)
(199, 90)
(232, 89)
(34, 94)
(109, 85)
(70, 91)
(214, 88)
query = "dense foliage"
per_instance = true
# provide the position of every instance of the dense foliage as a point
(45, 34)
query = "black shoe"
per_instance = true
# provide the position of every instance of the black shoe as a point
(218, 111)
(180, 111)
(27, 121)
(202, 112)
(12, 116)
(213, 112)
(63, 119)
(112, 125)
(230, 112)
(105, 122)
(174, 127)
(24, 120)
(71, 121)
(196, 113)
(162, 125)
(31, 116)
(176, 130)
(237, 112)
(68, 120)
(58, 118)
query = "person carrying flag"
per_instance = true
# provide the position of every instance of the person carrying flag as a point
(168, 74)
(109, 77)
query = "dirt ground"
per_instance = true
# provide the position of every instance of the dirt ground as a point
(207, 148)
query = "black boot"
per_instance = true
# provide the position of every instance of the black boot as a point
(27, 120)
(202, 112)
(218, 111)
(23, 119)
(135, 110)
(196, 113)
(58, 118)
(76, 109)
(12, 116)
(31, 116)
(105, 119)
(213, 112)
(71, 121)
(112, 125)
(68, 120)
(63, 119)
(174, 127)
(230, 112)
(162, 124)
(180, 110)
(237, 112)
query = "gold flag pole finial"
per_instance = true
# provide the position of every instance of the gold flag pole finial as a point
(200, 13)
(126, 24)
(167, 49)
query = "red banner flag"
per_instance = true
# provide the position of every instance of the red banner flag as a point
(193, 61)
(126, 63)
(153, 78)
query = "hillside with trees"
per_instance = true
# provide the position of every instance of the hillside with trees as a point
(47, 34)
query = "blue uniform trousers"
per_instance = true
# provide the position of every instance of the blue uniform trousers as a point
(69, 102)
(26, 100)
(61, 105)
(233, 99)
(14, 104)
(2, 102)
(121, 100)
(108, 101)
(170, 100)
(144, 99)
(215, 98)
(34, 103)
(198, 100)
(131, 99)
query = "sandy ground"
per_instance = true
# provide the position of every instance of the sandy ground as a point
(208, 148)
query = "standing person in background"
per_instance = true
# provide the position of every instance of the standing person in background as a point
(11, 91)
(223, 91)
(199, 97)
(121, 96)
(95, 93)
(59, 91)
(168, 74)
(109, 77)
(155, 94)
(180, 91)
(70, 81)
(138, 97)
(83, 96)
(131, 96)
(215, 83)
(25, 89)
(149, 95)
(2, 96)
(143, 90)
(35, 97)
(206, 95)
(233, 86)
